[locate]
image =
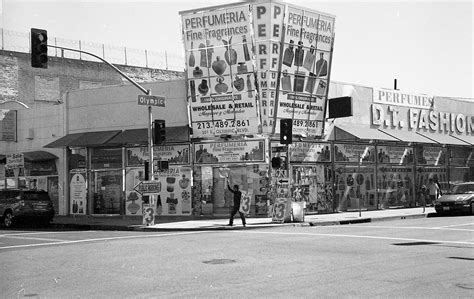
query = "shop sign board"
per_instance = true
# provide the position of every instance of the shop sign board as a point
(148, 215)
(174, 154)
(232, 48)
(310, 152)
(150, 100)
(230, 152)
(8, 125)
(16, 160)
(78, 192)
(281, 210)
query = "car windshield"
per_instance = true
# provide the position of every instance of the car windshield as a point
(464, 188)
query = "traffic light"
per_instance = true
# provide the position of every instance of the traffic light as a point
(159, 131)
(276, 162)
(340, 107)
(286, 131)
(39, 48)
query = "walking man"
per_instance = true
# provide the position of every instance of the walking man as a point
(236, 207)
(433, 191)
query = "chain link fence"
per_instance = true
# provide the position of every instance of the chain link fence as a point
(20, 42)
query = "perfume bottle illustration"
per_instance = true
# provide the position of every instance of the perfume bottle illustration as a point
(299, 54)
(192, 87)
(203, 55)
(203, 88)
(298, 84)
(246, 48)
(321, 90)
(249, 86)
(192, 59)
(321, 66)
(311, 83)
(285, 81)
(289, 55)
(309, 59)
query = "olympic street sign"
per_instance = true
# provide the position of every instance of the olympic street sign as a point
(149, 100)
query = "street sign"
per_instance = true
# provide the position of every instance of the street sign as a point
(149, 100)
(148, 187)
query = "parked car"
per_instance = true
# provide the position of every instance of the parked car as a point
(30, 205)
(459, 199)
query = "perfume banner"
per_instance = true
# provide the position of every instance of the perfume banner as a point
(268, 33)
(354, 153)
(228, 152)
(310, 152)
(220, 72)
(78, 192)
(306, 63)
(395, 154)
(175, 199)
(174, 154)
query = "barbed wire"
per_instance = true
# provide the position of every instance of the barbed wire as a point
(20, 42)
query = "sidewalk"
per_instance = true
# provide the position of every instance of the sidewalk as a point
(196, 223)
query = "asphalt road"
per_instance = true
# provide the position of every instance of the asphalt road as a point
(429, 257)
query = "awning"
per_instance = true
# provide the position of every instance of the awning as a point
(466, 138)
(406, 136)
(444, 139)
(37, 156)
(140, 136)
(352, 132)
(84, 139)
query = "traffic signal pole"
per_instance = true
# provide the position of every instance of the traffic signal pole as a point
(144, 90)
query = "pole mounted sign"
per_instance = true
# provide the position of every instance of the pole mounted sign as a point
(149, 100)
(148, 187)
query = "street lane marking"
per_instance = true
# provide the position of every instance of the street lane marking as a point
(44, 233)
(33, 238)
(406, 227)
(102, 239)
(455, 225)
(360, 237)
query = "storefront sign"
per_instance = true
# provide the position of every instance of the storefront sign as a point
(221, 79)
(395, 154)
(148, 187)
(8, 125)
(305, 68)
(174, 154)
(310, 152)
(15, 161)
(222, 67)
(354, 153)
(230, 152)
(398, 98)
(78, 193)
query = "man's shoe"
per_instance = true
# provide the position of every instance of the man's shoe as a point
(229, 224)
(244, 225)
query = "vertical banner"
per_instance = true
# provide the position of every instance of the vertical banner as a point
(175, 198)
(305, 67)
(78, 192)
(220, 71)
(268, 32)
(245, 203)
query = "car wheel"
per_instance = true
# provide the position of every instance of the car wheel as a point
(8, 219)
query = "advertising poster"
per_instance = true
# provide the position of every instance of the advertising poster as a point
(245, 202)
(175, 198)
(220, 73)
(8, 129)
(305, 68)
(355, 186)
(230, 152)
(281, 210)
(268, 33)
(395, 186)
(133, 199)
(174, 154)
(78, 193)
(310, 152)
(261, 205)
(395, 155)
(430, 155)
(358, 153)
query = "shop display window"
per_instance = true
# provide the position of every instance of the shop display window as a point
(395, 187)
(106, 192)
(312, 184)
(78, 158)
(355, 153)
(424, 174)
(395, 155)
(461, 162)
(430, 155)
(355, 187)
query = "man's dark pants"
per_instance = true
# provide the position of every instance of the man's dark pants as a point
(235, 209)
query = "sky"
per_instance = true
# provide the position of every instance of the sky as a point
(427, 46)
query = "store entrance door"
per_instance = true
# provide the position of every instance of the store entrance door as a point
(106, 189)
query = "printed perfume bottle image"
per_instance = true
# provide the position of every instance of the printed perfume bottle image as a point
(246, 48)
(311, 83)
(192, 59)
(321, 90)
(203, 88)
(288, 55)
(192, 87)
(309, 59)
(249, 86)
(285, 81)
(299, 54)
(202, 55)
(321, 66)
(298, 84)
(221, 86)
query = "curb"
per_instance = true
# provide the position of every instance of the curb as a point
(225, 228)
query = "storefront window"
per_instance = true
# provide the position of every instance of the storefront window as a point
(106, 192)
(431, 164)
(395, 186)
(313, 185)
(356, 153)
(461, 162)
(105, 158)
(355, 187)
